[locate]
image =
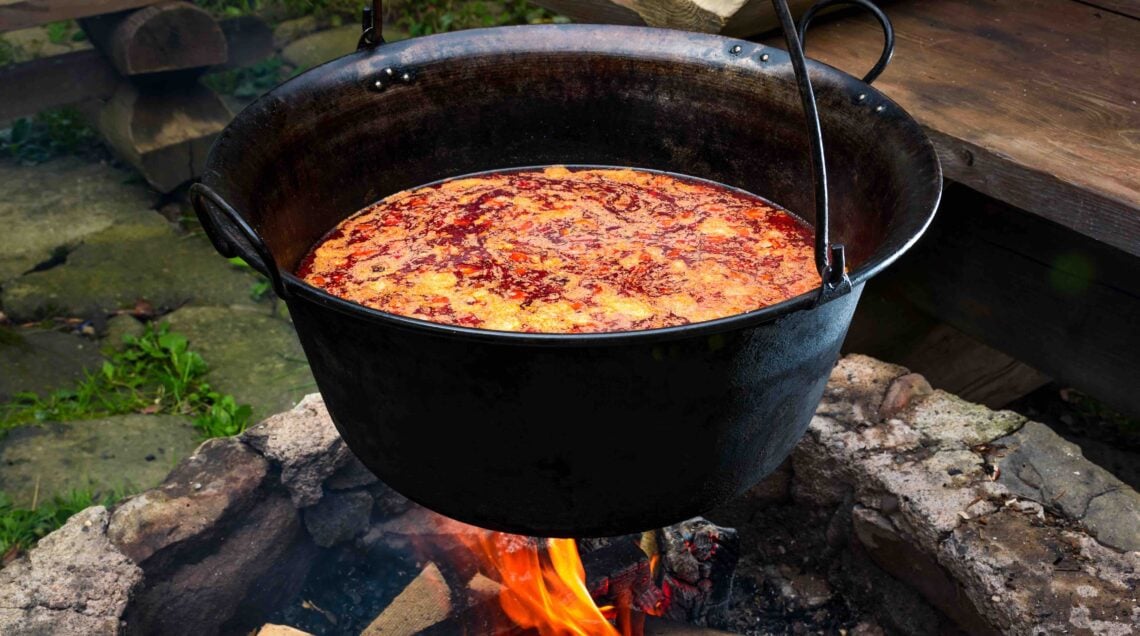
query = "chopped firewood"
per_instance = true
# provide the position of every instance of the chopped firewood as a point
(425, 602)
(280, 630)
(619, 573)
(168, 36)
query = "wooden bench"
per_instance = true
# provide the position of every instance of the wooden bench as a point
(139, 85)
(1032, 105)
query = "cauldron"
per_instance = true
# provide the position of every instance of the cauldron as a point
(571, 434)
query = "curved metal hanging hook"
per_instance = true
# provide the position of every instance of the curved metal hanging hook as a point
(884, 21)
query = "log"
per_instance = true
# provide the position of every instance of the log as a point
(249, 40)
(736, 18)
(164, 131)
(51, 82)
(21, 14)
(170, 36)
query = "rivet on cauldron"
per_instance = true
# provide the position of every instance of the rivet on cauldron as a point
(378, 85)
(862, 96)
(406, 78)
(764, 58)
(390, 72)
(736, 49)
(880, 108)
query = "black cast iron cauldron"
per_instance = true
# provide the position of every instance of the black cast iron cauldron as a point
(584, 434)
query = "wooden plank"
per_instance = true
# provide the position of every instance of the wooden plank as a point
(21, 14)
(1033, 102)
(1129, 8)
(170, 36)
(889, 327)
(1063, 303)
(54, 81)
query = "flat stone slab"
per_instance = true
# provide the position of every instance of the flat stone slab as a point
(1039, 466)
(42, 361)
(123, 264)
(252, 355)
(53, 206)
(322, 46)
(131, 452)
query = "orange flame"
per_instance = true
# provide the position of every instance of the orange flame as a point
(544, 585)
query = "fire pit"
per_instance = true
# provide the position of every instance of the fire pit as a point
(557, 435)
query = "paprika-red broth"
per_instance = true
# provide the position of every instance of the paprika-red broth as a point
(566, 250)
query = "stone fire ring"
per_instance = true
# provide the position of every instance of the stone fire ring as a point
(997, 521)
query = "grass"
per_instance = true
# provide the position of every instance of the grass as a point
(154, 373)
(50, 134)
(20, 528)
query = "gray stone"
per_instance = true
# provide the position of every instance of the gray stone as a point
(119, 453)
(50, 208)
(35, 42)
(119, 266)
(322, 46)
(73, 582)
(352, 475)
(1042, 466)
(204, 594)
(43, 361)
(288, 31)
(119, 327)
(252, 355)
(305, 444)
(338, 516)
(199, 500)
(922, 503)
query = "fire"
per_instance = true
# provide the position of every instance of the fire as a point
(544, 585)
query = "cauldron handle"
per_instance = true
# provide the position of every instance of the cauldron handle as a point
(884, 21)
(372, 26)
(234, 236)
(830, 258)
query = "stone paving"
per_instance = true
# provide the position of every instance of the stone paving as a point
(82, 241)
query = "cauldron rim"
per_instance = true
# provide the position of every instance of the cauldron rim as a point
(581, 38)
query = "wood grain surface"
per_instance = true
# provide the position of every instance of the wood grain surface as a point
(21, 14)
(1033, 102)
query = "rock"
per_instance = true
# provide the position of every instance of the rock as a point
(338, 517)
(951, 422)
(42, 361)
(923, 505)
(73, 582)
(288, 31)
(305, 444)
(811, 590)
(1040, 465)
(50, 208)
(904, 391)
(200, 499)
(212, 589)
(322, 46)
(252, 355)
(699, 561)
(118, 266)
(119, 327)
(352, 475)
(118, 453)
(389, 503)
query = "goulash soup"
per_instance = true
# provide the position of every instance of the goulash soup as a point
(565, 250)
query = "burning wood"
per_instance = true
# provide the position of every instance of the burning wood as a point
(483, 582)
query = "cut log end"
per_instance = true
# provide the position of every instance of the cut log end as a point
(163, 37)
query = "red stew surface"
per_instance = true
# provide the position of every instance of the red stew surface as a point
(565, 250)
